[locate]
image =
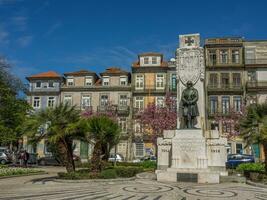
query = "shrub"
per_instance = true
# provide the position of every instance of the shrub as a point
(149, 164)
(126, 172)
(80, 174)
(128, 164)
(10, 171)
(108, 174)
(252, 167)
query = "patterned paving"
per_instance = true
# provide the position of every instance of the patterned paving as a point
(47, 188)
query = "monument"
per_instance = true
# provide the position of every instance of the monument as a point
(192, 153)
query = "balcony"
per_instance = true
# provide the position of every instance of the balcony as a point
(123, 110)
(256, 85)
(106, 108)
(87, 108)
(219, 114)
(225, 88)
(147, 89)
(256, 61)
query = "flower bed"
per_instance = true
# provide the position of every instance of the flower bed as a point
(15, 171)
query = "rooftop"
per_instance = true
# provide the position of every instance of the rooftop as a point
(49, 74)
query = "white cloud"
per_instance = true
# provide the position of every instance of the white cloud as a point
(25, 41)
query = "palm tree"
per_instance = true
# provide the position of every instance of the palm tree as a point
(105, 133)
(253, 126)
(59, 125)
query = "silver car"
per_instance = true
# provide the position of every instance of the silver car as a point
(4, 158)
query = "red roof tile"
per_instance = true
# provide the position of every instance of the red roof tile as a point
(49, 74)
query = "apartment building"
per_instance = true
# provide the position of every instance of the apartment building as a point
(152, 79)
(44, 91)
(225, 83)
(256, 78)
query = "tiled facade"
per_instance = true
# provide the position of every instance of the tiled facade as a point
(236, 74)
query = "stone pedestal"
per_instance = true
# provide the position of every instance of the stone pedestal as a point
(189, 157)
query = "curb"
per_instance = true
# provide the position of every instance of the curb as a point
(256, 184)
(30, 174)
(93, 180)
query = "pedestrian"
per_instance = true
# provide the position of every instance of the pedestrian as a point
(21, 157)
(26, 158)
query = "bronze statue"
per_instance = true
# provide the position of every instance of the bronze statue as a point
(189, 109)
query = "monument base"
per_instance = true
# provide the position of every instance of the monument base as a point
(186, 155)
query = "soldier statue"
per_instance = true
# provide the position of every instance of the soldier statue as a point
(189, 109)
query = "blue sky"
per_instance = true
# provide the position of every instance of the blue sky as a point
(68, 35)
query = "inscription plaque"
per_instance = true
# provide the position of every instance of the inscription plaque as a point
(187, 177)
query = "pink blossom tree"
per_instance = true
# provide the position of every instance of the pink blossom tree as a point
(231, 120)
(154, 119)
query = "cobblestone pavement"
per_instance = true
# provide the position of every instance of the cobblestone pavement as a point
(45, 187)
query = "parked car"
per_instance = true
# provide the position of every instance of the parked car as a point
(233, 160)
(5, 158)
(48, 160)
(52, 160)
(118, 157)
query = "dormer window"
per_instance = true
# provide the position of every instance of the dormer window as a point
(154, 60)
(105, 81)
(123, 80)
(146, 60)
(38, 84)
(70, 82)
(50, 84)
(88, 80)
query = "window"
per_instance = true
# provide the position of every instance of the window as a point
(123, 100)
(226, 127)
(160, 101)
(236, 79)
(235, 56)
(154, 60)
(38, 84)
(70, 81)
(212, 57)
(103, 100)
(50, 84)
(225, 104)
(105, 81)
(237, 103)
(139, 82)
(160, 81)
(213, 104)
(139, 103)
(86, 101)
(146, 60)
(36, 102)
(68, 99)
(88, 81)
(213, 82)
(137, 127)
(224, 56)
(123, 80)
(51, 101)
(139, 147)
(225, 80)
(173, 82)
(123, 124)
(239, 148)
(252, 76)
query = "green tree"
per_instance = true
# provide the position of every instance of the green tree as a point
(12, 109)
(60, 126)
(105, 133)
(253, 126)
